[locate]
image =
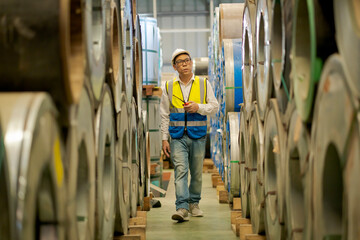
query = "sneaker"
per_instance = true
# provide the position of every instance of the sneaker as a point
(195, 210)
(181, 215)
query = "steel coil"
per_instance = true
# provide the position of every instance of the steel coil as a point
(232, 153)
(232, 75)
(297, 177)
(134, 147)
(347, 23)
(42, 49)
(281, 35)
(263, 45)
(123, 168)
(252, 5)
(200, 66)
(150, 46)
(105, 166)
(36, 171)
(81, 170)
(256, 170)
(334, 129)
(230, 15)
(115, 52)
(128, 53)
(273, 172)
(138, 69)
(353, 183)
(312, 43)
(142, 160)
(248, 60)
(7, 223)
(95, 22)
(244, 174)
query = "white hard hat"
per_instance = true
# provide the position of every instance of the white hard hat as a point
(177, 52)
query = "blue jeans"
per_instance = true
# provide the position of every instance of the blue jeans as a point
(187, 154)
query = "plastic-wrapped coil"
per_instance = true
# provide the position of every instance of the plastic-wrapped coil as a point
(95, 22)
(347, 23)
(7, 223)
(281, 35)
(231, 15)
(44, 50)
(232, 88)
(138, 69)
(115, 52)
(123, 168)
(275, 138)
(232, 153)
(81, 169)
(200, 66)
(35, 165)
(263, 44)
(152, 107)
(160, 59)
(334, 154)
(248, 60)
(128, 53)
(244, 174)
(142, 159)
(313, 41)
(105, 166)
(256, 170)
(297, 170)
(149, 40)
(134, 147)
(215, 42)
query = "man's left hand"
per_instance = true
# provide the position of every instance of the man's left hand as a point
(191, 107)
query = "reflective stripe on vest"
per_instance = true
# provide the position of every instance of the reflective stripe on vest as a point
(196, 124)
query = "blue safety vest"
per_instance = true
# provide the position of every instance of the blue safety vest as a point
(194, 123)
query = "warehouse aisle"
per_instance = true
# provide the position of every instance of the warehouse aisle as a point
(214, 225)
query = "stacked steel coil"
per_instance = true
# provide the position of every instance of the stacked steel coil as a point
(72, 136)
(225, 76)
(299, 124)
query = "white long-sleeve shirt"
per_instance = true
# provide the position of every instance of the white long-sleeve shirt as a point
(210, 108)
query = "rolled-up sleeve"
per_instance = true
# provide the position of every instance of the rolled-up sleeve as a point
(164, 114)
(212, 105)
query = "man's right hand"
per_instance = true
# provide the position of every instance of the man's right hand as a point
(166, 147)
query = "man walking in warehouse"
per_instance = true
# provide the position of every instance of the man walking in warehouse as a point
(185, 102)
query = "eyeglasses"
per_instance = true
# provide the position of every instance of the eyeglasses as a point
(181, 62)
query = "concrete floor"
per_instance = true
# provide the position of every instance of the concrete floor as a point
(214, 225)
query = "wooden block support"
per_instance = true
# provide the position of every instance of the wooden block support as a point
(254, 237)
(142, 214)
(128, 237)
(138, 230)
(236, 203)
(214, 180)
(152, 90)
(234, 215)
(239, 221)
(146, 204)
(220, 182)
(137, 221)
(166, 165)
(244, 230)
(223, 197)
(219, 188)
